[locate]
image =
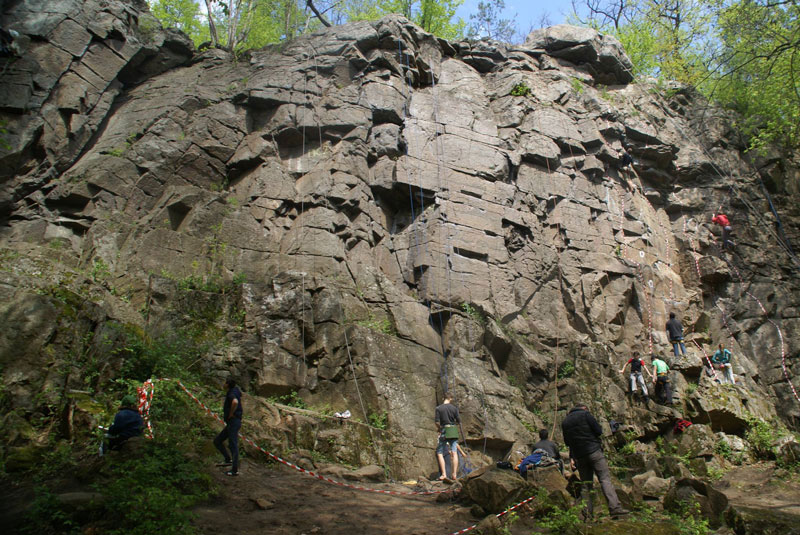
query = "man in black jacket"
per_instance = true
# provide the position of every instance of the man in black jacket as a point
(582, 435)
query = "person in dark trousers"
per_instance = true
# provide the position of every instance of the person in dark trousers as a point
(446, 418)
(661, 379)
(127, 424)
(722, 221)
(582, 435)
(637, 365)
(675, 334)
(547, 445)
(232, 414)
(627, 159)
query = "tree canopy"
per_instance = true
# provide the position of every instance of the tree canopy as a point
(744, 54)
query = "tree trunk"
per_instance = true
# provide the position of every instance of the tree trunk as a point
(212, 28)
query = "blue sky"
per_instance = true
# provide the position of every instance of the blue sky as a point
(526, 13)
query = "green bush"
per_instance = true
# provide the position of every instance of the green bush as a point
(165, 356)
(521, 90)
(564, 521)
(689, 519)
(567, 370)
(47, 515)
(153, 493)
(379, 420)
(761, 437)
(473, 313)
(723, 449)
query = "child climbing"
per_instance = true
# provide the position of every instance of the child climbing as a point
(637, 364)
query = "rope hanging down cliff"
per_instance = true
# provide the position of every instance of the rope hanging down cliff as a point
(786, 247)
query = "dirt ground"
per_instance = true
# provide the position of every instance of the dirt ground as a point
(281, 501)
(762, 486)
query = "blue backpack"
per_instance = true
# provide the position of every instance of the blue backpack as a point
(534, 459)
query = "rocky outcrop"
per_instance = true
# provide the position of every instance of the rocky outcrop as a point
(369, 215)
(601, 54)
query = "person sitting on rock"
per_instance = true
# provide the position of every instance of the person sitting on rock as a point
(637, 364)
(675, 334)
(722, 221)
(549, 447)
(661, 379)
(127, 424)
(722, 358)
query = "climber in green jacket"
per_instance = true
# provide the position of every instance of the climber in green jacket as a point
(661, 379)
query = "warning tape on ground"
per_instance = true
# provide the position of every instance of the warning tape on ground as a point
(146, 393)
(499, 515)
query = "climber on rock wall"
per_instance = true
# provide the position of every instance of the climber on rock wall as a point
(661, 380)
(722, 358)
(675, 332)
(637, 365)
(723, 221)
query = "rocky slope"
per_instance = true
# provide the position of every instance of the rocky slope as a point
(369, 216)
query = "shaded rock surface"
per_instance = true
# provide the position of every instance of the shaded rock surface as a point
(404, 221)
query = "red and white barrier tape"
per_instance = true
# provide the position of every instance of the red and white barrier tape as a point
(499, 515)
(278, 459)
(145, 395)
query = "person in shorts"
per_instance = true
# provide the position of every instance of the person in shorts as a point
(447, 419)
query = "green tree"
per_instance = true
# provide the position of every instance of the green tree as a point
(435, 16)
(183, 15)
(756, 69)
(666, 38)
(488, 24)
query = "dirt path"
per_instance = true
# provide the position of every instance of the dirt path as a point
(758, 486)
(278, 500)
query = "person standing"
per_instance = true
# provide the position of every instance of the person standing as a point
(722, 221)
(232, 414)
(661, 379)
(582, 436)
(675, 334)
(446, 418)
(722, 357)
(637, 364)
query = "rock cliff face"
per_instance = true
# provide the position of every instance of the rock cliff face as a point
(408, 215)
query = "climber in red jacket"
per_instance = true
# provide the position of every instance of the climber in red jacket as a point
(722, 220)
